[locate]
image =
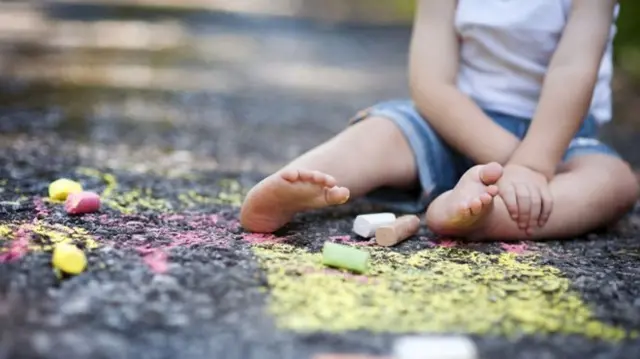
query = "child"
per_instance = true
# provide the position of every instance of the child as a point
(517, 88)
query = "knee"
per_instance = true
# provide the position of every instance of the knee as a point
(625, 186)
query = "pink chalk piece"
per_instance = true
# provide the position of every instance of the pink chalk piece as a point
(82, 202)
(515, 248)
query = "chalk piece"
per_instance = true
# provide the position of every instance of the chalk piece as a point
(63, 187)
(68, 258)
(435, 347)
(345, 257)
(348, 356)
(365, 225)
(396, 232)
(82, 202)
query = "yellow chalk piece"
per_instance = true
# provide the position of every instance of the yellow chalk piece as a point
(61, 188)
(68, 259)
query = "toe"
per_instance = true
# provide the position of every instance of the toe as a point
(336, 195)
(493, 190)
(475, 206)
(319, 177)
(290, 174)
(490, 173)
(329, 181)
(306, 175)
(486, 198)
(322, 179)
(464, 210)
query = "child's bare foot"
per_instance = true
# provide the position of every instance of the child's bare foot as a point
(276, 199)
(459, 210)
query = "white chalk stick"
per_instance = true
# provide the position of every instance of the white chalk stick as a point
(434, 347)
(365, 225)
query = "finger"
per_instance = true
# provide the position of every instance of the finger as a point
(509, 197)
(536, 206)
(524, 205)
(547, 206)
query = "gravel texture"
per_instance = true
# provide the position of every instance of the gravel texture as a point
(172, 275)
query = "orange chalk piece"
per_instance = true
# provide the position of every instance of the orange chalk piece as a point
(82, 202)
(396, 232)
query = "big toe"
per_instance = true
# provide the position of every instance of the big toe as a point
(490, 173)
(336, 195)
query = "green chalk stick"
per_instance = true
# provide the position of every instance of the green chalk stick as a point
(345, 257)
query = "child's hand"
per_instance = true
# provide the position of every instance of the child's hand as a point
(526, 195)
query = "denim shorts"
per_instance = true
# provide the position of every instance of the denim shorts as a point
(440, 166)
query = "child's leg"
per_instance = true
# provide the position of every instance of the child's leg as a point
(365, 156)
(592, 190)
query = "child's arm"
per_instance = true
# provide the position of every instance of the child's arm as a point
(433, 67)
(564, 101)
(568, 86)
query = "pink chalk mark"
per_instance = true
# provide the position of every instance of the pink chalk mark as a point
(515, 248)
(258, 238)
(189, 238)
(155, 258)
(340, 238)
(172, 217)
(348, 240)
(18, 247)
(195, 220)
(201, 221)
(447, 243)
(41, 208)
(233, 225)
(429, 242)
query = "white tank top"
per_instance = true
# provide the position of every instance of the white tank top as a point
(506, 47)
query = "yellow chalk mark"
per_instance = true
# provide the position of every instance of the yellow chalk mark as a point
(5, 231)
(231, 193)
(43, 236)
(126, 202)
(436, 290)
